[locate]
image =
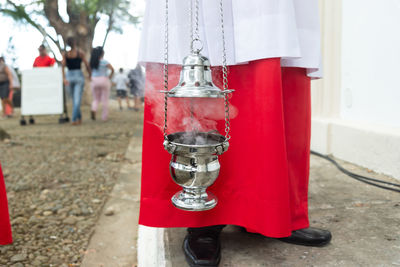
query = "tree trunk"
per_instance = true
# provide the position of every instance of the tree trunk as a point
(80, 27)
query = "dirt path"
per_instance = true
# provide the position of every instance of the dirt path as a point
(58, 177)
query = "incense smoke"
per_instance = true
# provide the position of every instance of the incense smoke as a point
(208, 113)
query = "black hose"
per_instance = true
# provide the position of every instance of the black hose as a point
(367, 180)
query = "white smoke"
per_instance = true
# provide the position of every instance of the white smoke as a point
(189, 115)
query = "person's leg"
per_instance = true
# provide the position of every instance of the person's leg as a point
(4, 92)
(10, 108)
(137, 103)
(8, 105)
(127, 101)
(73, 89)
(104, 98)
(297, 116)
(81, 85)
(96, 94)
(77, 97)
(119, 99)
(136, 99)
(124, 96)
(9, 102)
(3, 106)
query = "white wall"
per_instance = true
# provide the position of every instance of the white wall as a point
(370, 61)
(356, 107)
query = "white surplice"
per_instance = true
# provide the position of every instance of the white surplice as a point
(254, 29)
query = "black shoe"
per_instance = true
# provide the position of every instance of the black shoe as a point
(309, 237)
(202, 246)
(31, 121)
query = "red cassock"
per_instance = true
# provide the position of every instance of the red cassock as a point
(5, 227)
(263, 183)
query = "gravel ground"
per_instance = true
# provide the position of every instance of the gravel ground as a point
(58, 177)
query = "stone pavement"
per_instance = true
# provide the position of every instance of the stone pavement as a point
(364, 220)
(58, 178)
(115, 236)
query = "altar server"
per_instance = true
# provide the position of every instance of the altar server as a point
(273, 52)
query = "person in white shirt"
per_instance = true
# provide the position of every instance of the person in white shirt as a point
(136, 85)
(273, 52)
(121, 83)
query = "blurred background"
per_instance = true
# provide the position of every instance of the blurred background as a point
(26, 24)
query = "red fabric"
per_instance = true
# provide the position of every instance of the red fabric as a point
(263, 183)
(45, 61)
(5, 227)
(9, 109)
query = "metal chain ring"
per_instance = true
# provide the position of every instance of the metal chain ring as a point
(194, 29)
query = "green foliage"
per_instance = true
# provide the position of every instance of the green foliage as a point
(18, 13)
(85, 13)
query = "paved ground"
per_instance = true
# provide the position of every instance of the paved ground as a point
(114, 242)
(58, 179)
(365, 223)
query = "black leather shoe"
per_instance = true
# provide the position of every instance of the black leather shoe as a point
(309, 237)
(202, 246)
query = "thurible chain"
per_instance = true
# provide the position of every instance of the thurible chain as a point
(165, 70)
(225, 75)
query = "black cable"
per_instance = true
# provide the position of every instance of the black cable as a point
(351, 173)
(367, 180)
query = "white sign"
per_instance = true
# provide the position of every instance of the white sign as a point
(42, 92)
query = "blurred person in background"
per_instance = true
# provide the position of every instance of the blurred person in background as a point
(74, 78)
(136, 84)
(101, 83)
(121, 82)
(16, 86)
(5, 226)
(41, 61)
(6, 86)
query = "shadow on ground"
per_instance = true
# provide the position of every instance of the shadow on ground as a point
(364, 220)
